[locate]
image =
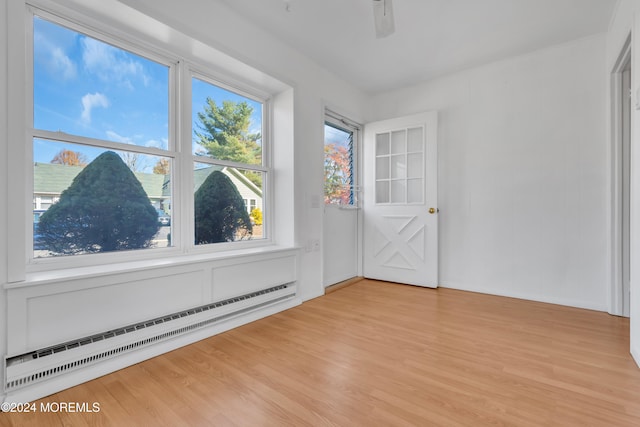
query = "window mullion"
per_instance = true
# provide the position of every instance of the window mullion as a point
(185, 164)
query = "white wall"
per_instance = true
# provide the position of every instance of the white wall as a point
(523, 174)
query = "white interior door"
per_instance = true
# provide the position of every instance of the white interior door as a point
(341, 220)
(400, 200)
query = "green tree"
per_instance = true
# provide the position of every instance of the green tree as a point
(224, 134)
(104, 209)
(220, 214)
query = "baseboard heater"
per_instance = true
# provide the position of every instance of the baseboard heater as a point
(40, 365)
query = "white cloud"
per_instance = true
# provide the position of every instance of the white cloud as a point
(110, 63)
(53, 57)
(156, 144)
(89, 102)
(113, 136)
(63, 64)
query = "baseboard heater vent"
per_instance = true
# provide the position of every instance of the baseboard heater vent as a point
(36, 366)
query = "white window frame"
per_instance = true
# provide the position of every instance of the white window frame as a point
(200, 73)
(179, 147)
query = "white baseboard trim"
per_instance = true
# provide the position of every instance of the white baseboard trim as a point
(73, 378)
(588, 305)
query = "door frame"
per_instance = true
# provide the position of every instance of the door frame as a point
(618, 304)
(339, 120)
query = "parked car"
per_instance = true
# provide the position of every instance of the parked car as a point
(163, 218)
(37, 239)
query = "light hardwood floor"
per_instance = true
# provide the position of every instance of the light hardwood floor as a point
(381, 354)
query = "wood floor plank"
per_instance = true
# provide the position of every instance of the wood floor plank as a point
(381, 354)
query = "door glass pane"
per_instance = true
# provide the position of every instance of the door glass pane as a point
(414, 165)
(338, 166)
(398, 191)
(414, 191)
(382, 192)
(398, 142)
(398, 166)
(382, 144)
(382, 168)
(414, 140)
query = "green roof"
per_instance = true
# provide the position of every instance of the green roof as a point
(199, 175)
(50, 178)
(53, 178)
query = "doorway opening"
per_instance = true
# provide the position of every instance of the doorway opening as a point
(621, 149)
(342, 220)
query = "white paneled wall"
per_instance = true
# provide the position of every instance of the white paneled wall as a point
(49, 311)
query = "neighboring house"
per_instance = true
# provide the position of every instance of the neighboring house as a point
(251, 193)
(50, 180)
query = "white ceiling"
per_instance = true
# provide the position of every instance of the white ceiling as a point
(432, 38)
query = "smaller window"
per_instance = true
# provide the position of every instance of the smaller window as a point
(338, 166)
(229, 169)
(226, 125)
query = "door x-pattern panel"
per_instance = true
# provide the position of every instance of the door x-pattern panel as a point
(399, 242)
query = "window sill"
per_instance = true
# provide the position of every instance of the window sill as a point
(60, 275)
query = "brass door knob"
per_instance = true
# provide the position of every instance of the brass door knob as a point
(432, 210)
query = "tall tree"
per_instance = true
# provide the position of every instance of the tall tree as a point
(220, 213)
(132, 160)
(224, 134)
(69, 158)
(104, 209)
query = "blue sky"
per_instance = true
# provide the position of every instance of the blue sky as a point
(89, 88)
(333, 135)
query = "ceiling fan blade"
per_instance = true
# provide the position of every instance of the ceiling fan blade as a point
(383, 17)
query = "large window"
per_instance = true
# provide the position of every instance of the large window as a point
(107, 163)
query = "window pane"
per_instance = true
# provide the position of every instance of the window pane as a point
(338, 166)
(85, 87)
(220, 204)
(226, 126)
(89, 200)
